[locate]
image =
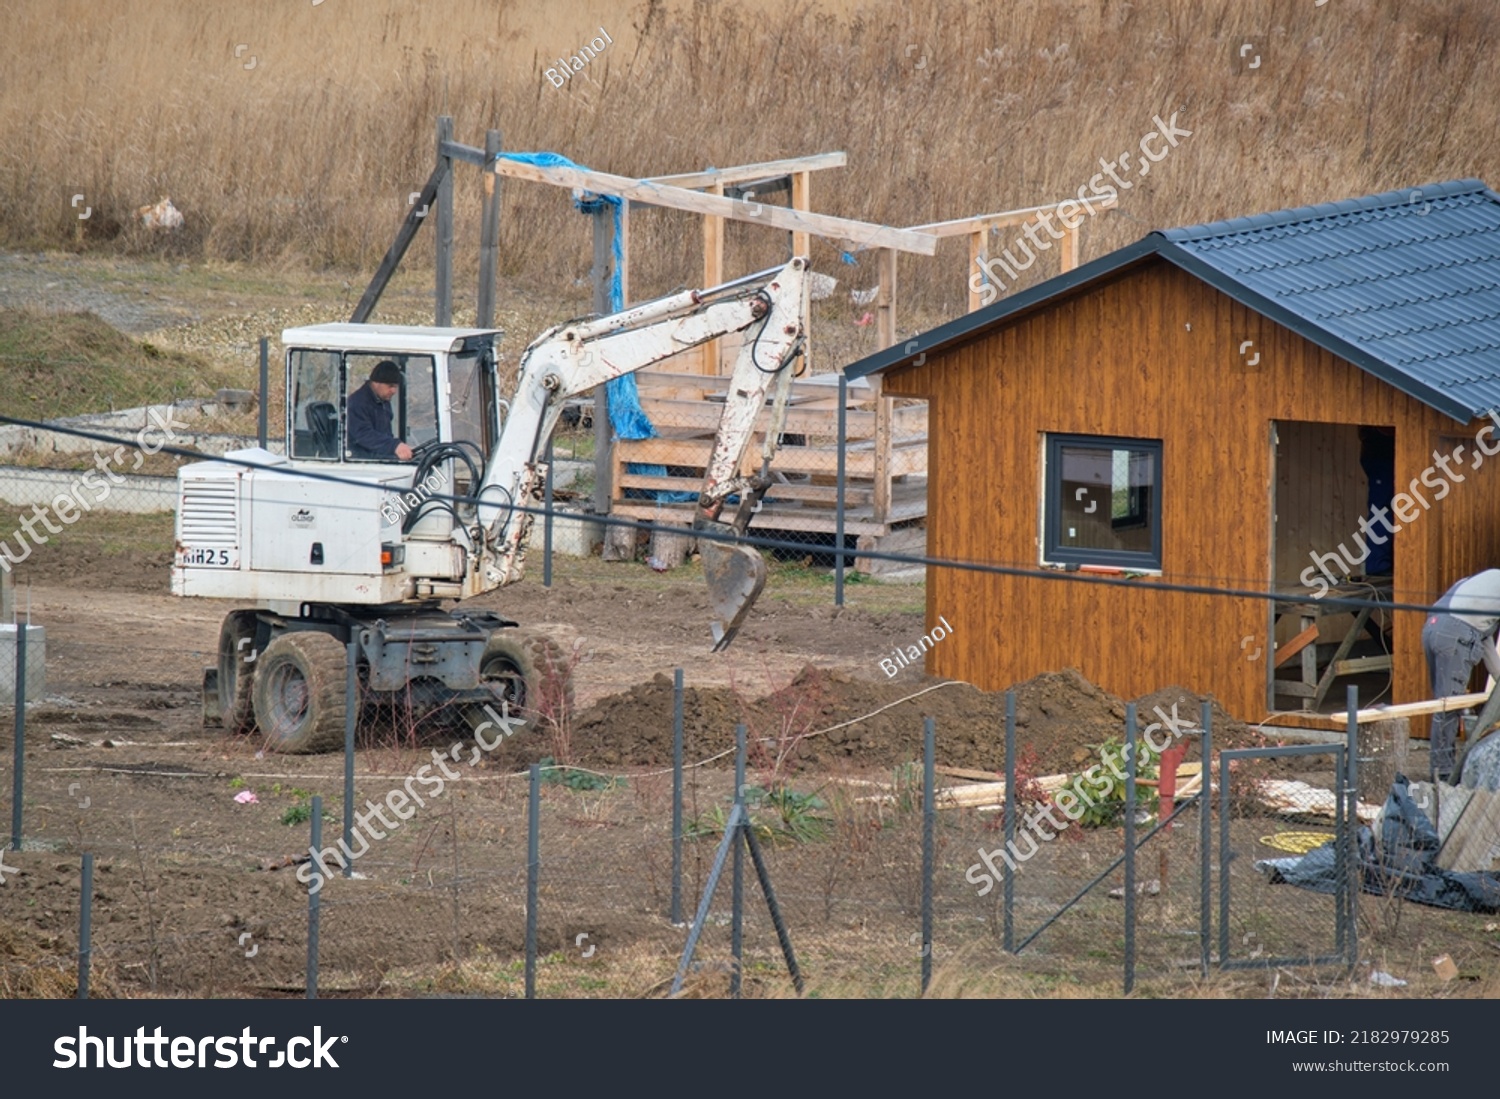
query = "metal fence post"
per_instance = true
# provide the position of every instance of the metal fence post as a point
(85, 925)
(1205, 841)
(265, 389)
(929, 824)
(18, 778)
(838, 507)
(737, 925)
(312, 902)
(351, 716)
(1009, 885)
(442, 314)
(1350, 842)
(1130, 776)
(1224, 856)
(677, 796)
(547, 521)
(533, 867)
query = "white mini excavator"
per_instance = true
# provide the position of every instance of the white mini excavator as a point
(323, 546)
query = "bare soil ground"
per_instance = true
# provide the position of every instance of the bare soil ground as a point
(196, 894)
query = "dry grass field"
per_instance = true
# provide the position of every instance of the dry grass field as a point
(292, 133)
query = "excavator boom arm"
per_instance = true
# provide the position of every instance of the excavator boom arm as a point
(573, 359)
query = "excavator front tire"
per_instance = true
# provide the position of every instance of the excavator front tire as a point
(529, 672)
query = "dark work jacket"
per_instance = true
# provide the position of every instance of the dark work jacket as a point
(370, 425)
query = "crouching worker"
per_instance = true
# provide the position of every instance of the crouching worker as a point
(1455, 641)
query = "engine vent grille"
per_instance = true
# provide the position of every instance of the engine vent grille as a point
(210, 513)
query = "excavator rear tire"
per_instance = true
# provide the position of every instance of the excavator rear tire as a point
(237, 658)
(299, 693)
(531, 674)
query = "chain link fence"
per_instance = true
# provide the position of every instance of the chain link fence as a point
(216, 863)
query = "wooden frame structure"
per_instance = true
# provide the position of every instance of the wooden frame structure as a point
(886, 463)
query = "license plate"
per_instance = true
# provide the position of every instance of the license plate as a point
(208, 557)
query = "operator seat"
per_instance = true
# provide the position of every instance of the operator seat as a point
(323, 418)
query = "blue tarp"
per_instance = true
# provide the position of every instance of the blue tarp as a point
(626, 415)
(1405, 865)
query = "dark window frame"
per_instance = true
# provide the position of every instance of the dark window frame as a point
(1053, 553)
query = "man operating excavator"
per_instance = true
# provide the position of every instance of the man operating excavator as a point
(370, 416)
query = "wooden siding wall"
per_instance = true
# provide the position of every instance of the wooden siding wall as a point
(1154, 353)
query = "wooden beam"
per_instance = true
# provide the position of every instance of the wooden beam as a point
(959, 227)
(1360, 664)
(741, 173)
(416, 215)
(489, 234)
(1412, 709)
(655, 194)
(713, 274)
(1296, 645)
(442, 312)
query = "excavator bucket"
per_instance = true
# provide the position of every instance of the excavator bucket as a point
(736, 575)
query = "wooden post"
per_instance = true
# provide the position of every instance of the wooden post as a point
(489, 233)
(976, 251)
(710, 361)
(603, 220)
(669, 550)
(885, 300)
(442, 313)
(1069, 249)
(884, 409)
(802, 246)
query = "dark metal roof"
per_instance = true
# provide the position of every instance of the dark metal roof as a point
(1404, 284)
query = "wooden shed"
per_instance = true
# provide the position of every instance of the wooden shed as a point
(1188, 410)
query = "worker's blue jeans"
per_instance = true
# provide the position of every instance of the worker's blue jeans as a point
(1453, 647)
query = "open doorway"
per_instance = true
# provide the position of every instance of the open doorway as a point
(1326, 541)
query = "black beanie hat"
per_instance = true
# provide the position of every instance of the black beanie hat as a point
(386, 373)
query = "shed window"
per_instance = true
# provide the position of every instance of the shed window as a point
(1103, 502)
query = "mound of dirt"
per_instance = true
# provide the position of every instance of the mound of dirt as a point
(1060, 716)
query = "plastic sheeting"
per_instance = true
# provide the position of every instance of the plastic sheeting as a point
(626, 415)
(1403, 865)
